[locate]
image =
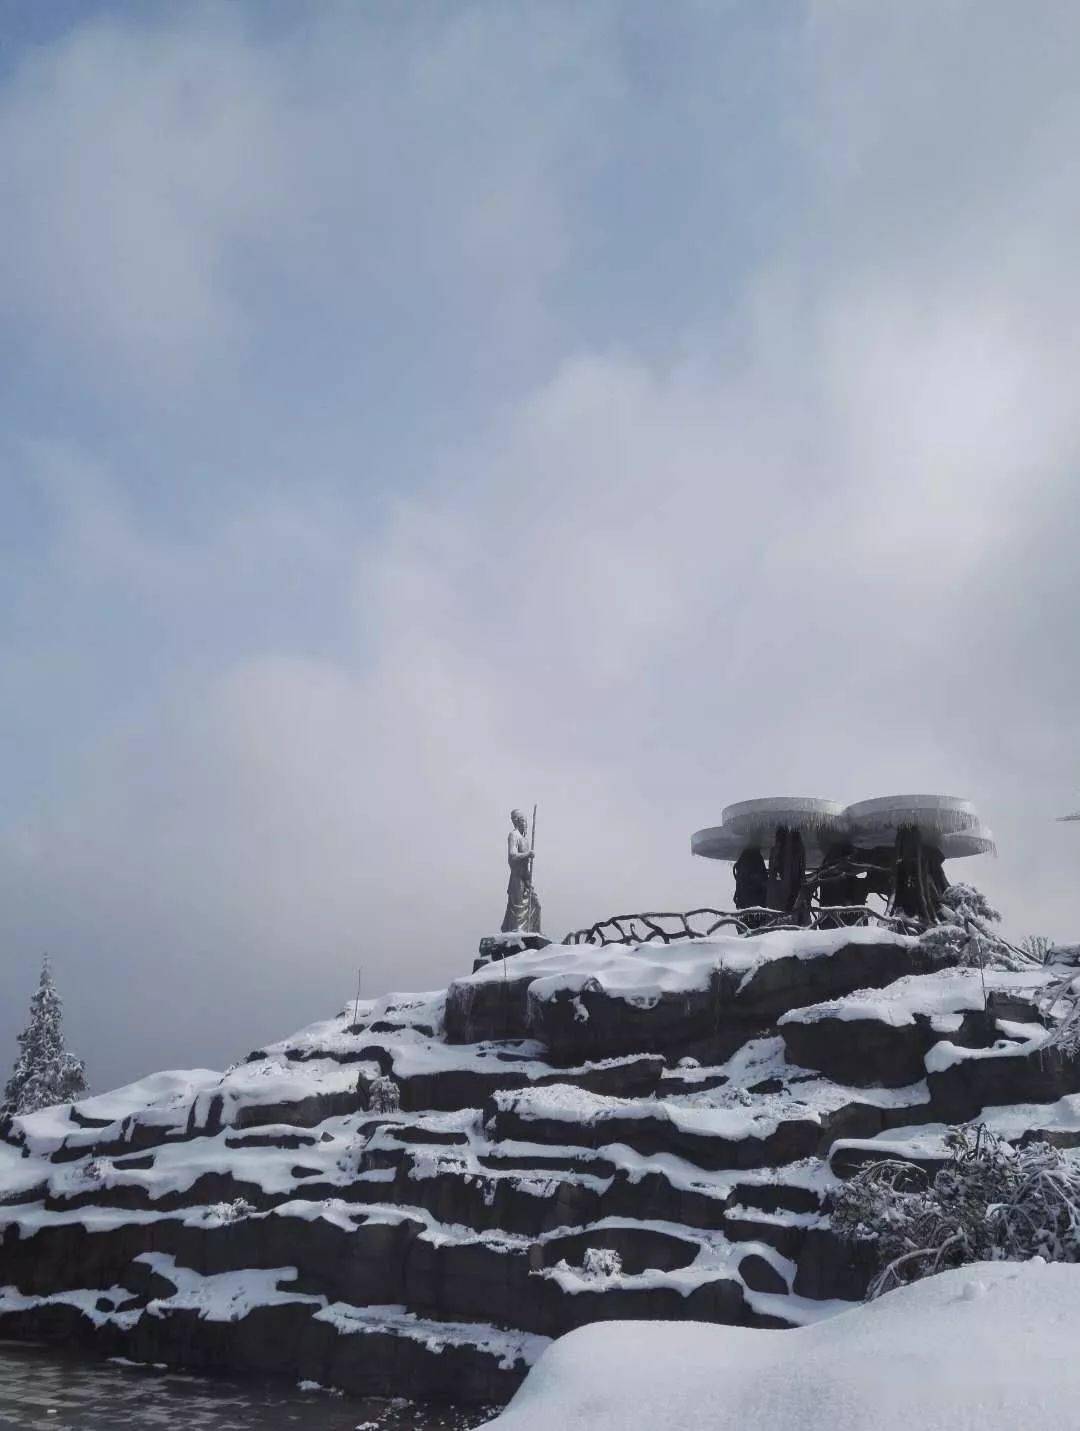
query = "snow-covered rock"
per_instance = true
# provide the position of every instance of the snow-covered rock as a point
(422, 1192)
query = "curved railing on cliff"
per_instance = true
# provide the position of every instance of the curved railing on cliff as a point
(666, 927)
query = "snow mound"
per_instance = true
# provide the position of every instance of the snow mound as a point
(988, 1347)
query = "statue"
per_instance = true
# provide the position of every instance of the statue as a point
(522, 906)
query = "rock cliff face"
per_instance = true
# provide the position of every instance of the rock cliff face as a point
(417, 1201)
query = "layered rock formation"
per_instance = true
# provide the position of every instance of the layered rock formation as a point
(415, 1202)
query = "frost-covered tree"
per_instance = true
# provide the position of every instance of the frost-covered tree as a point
(989, 1202)
(44, 1073)
(964, 935)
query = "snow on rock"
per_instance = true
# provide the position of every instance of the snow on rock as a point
(562, 1102)
(163, 1092)
(419, 1015)
(276, 1080)
(1057, 1123)
(508, 1348)
(587, 1001)
(18, 1174)
(160, 1100)
(982, 1348)
(639, 973)
(946, 1055)
(86, 1302)
(222, 1296)
(942, 992)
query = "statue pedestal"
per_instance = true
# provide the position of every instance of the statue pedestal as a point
(502, 946)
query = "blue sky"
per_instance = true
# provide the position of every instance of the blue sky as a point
(407, 412)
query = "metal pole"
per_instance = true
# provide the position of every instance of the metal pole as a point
(356, 1006)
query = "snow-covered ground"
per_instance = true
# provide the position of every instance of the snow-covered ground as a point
(991, 1347)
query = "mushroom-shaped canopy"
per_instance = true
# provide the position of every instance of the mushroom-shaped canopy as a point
(752, 824)
(946, 821)
(950, 824)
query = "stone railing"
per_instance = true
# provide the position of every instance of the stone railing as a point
(664, 928)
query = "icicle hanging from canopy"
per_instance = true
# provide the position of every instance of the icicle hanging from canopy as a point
(946, 820)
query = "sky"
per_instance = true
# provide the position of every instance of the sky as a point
(408, 412)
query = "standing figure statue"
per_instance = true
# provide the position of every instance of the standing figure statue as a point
(522, 906)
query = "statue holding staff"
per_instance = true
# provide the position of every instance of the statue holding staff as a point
(522, 905)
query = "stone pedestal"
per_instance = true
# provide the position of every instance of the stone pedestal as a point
(502, 946)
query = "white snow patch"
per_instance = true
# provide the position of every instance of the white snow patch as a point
(942, 993)
(566, 1103)
(945, 1054)
(508, 1348)
(222, 1296)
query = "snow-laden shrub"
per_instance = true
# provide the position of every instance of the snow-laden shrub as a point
(384, 1096)
(97, 1170)
(1060, 1006)
(964, 936)
(1038, 947)
(219, 1214)
(990, 1202)
(600, 1262)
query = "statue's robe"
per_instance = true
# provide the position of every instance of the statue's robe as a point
(522, 905)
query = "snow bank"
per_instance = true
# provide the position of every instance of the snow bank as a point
(989, 1347)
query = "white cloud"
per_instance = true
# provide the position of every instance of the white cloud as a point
(158, 175)
(824, 548)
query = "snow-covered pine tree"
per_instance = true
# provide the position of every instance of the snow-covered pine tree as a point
(44, 1073)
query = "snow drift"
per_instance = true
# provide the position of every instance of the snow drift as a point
(990, 1347)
